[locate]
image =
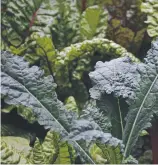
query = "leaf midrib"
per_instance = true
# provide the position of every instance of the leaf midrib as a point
(52, 116)
(125, 152)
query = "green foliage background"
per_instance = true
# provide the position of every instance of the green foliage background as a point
(66, 38)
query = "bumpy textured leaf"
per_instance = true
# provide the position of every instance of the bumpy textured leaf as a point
(66, 154)
(10, 130)
(113, 153)
(9, 156)
(130, 160)
(37, 155)
(93, 22)
(26, 86)
(15, 148)
(51, 17)
(74, 62)
(121, 82)
(50, 147)
(146, 100)
(150, 7)
(19, 144)
(13, 30)
(41, 50)
(87, 50)
(70, 104)
(23, 111)
(47, 152)
(92, 113)
(88, 133)
(122, 29)
(114, 78)
(97, 154)
(65, 31)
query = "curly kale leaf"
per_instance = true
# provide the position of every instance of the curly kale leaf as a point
(114, 77)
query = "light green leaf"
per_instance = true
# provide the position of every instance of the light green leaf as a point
(93, 22)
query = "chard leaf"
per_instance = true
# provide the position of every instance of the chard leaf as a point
(24, 112)
(97, 154)
(150, 8)
(10, 156)
(66, 154)
(141, 109)
(74, 63)
(93, 22)
(122, 27)
(113, 153)
(50, 18)
(46, 152)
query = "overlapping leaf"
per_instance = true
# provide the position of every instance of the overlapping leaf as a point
(26, 86)
(121, 82)
(114, 77)
(93, 22)
(150, 7)
(74, 62)
(88, 133)
(146, 100)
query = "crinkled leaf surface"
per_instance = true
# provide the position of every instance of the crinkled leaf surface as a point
(150, 7)
(146, 100)
(66, 154)
(75, 61)
(24, 112)
(26, 86)
(136, 84)
(114, 78)
(89, 133)
(10, 156)
(93, 22)
(92, 113)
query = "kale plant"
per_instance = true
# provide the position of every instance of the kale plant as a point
(79, 82)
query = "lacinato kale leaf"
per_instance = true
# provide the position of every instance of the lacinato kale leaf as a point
(127, 92)
(26, 86)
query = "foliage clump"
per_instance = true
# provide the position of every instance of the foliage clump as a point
(79, 82)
